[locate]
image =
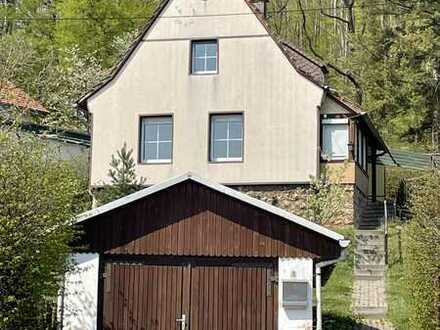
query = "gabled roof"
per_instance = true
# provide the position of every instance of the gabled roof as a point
(14, 96)
(304, 64)
(217, 187)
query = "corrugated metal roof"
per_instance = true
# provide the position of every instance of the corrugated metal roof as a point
(407, 159)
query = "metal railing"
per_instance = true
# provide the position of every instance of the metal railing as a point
(385, 229)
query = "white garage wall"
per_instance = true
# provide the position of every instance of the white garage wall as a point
(295, 318)
(80, 299)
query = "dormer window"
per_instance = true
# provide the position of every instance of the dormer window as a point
(204, 57)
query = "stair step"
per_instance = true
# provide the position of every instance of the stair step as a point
(368, 251)
(365, 239)
(370, 244)
(371, 312)
(369, 232)
(369, 275)
(371, 267)
(376, 260)
(369, 226)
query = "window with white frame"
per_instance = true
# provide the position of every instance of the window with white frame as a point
(335, 139)
(226, 138)
(204, 57)
(156, 139)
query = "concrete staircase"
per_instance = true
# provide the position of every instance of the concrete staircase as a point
(372, 216)
(370, 268)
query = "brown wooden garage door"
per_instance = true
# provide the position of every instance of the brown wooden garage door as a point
(212, 293)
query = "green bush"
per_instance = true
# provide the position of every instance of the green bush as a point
(423, 253)
(39, 197)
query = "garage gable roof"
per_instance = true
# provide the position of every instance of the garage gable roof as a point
(217, 187)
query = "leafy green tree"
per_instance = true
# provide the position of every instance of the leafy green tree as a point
(389, 49)
(57, 85)
(39, 197)
(102, 21)
(123, 177)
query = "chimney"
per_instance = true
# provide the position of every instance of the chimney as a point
(261, 6)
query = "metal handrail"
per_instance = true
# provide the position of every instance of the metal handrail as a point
(385, 228)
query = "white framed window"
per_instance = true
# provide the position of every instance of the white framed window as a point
(335, 139)
(156, 139)
(295, 293)
(204, 57)
(226, 143)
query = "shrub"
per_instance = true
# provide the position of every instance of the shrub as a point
(423, 253)
(326, 197)
(39, 197)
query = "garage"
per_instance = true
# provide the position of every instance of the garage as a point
(196, 293)
(193, 254)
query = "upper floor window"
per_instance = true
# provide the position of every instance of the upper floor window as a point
(204, 57)
(156, 139)
(335, 139)
(226, 138)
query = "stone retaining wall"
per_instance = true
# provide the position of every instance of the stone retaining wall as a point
(293, 198)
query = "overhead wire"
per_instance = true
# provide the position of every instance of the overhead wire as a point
(272, 12)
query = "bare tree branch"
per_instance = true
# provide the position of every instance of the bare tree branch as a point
(323, 13)
(346, 74)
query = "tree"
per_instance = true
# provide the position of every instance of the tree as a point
(123, 177)
(383, 54)
(101, 22)
(57, 85)
(39, 197)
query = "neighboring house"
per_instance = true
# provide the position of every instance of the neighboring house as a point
(15, 103)
(208, 89)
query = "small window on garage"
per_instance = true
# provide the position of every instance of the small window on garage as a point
(334, 139)
(204, 57)
(156, 139)
(295, 293)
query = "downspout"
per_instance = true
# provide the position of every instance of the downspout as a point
(344, 244)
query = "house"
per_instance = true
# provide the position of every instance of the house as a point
(207, 88)
(16, 104)
(189, 253)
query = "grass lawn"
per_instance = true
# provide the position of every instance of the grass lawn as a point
(337, 293)
(396, 288)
